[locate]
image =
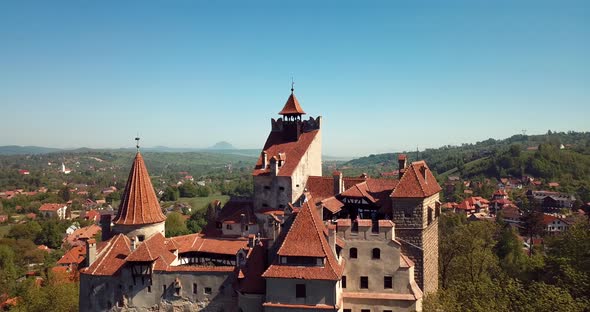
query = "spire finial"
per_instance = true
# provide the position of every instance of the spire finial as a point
(292, 84)
(137, 142)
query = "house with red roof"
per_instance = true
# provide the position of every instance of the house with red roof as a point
(554, 224)
(53, 211)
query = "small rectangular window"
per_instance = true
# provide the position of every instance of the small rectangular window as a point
(347, 310)
(149, 289)
(365, 310)
(228, 226)
(300, 291)
(281, 188)
(164, 288)
(364, 282)
(387, 282)
(266, 187)
(194, 288)
(208, 290)
(344, 281)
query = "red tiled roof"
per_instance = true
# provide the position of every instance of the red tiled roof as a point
(292, 107)
(323, 187)
(152, 249)
(252, 281)
(51, 207)
(306, 238)
(332, 204)
(111, 256)
(200, 243)
(548, 219)
(73, 256)
(77, 237)
(417, 182)
(92, 215)
(139, 204)
(233, 210)
(276, 143)
(500, 192)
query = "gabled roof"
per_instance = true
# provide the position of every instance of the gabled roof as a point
(292, 107)
(51, 207)
(111, 257)
(294, 150)
(417, 182)
(232, 211)
(152, 249)
(322, 188)
(139, 204)
(306, 238)
(200, 243)
(75, 255)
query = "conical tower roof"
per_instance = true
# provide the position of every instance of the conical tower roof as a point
(139, 204)
(292, 107)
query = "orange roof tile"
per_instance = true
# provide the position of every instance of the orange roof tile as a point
(276, 143)
(417, 182)
(51, 207)
(323, 187)
(292, 107)
(200, 243)
(111, 257)
(139, 204)
(306, 238)
(75, 255)
(232, 211)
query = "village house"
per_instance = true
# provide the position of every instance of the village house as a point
(58, 211)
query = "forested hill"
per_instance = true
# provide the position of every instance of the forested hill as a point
(541, 156)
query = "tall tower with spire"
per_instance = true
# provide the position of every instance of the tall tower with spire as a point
(139, 215)
(292, 152)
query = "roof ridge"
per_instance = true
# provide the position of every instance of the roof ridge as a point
(418, 179)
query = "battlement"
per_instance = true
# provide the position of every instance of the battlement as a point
(365, 229)
(311, 124)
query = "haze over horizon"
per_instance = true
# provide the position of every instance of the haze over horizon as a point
(386, 78)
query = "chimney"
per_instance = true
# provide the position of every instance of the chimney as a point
(105, 225)
(338, 183)
(332, 238)
(133, 243)
(243, 223)
(90, 251)
(401, 164)
(274, 166)
(264, 160)
(423, 171)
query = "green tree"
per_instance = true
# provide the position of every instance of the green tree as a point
(64, 194)
(8, 270)
(29, 230)
(197, 221)
(170, 194)
(187, 190)
(175, 225)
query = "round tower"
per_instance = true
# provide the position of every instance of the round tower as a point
(139, 215)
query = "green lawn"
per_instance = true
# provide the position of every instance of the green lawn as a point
(4, 229)
(201, 202)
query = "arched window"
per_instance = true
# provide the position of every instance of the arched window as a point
(376, 253)
(352, 253)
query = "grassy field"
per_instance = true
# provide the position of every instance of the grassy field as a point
(4, 229)
(201, 202)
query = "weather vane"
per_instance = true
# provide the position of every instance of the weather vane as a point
(292, 84)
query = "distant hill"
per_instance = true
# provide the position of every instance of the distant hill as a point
(26, 150)
(222, 145)
(455, 159)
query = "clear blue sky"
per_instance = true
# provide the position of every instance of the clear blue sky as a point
(385, 76)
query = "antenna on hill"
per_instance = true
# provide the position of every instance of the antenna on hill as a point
(417, 153)
(137, 142)
(523, 131)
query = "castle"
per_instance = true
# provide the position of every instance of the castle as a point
(304, 242)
